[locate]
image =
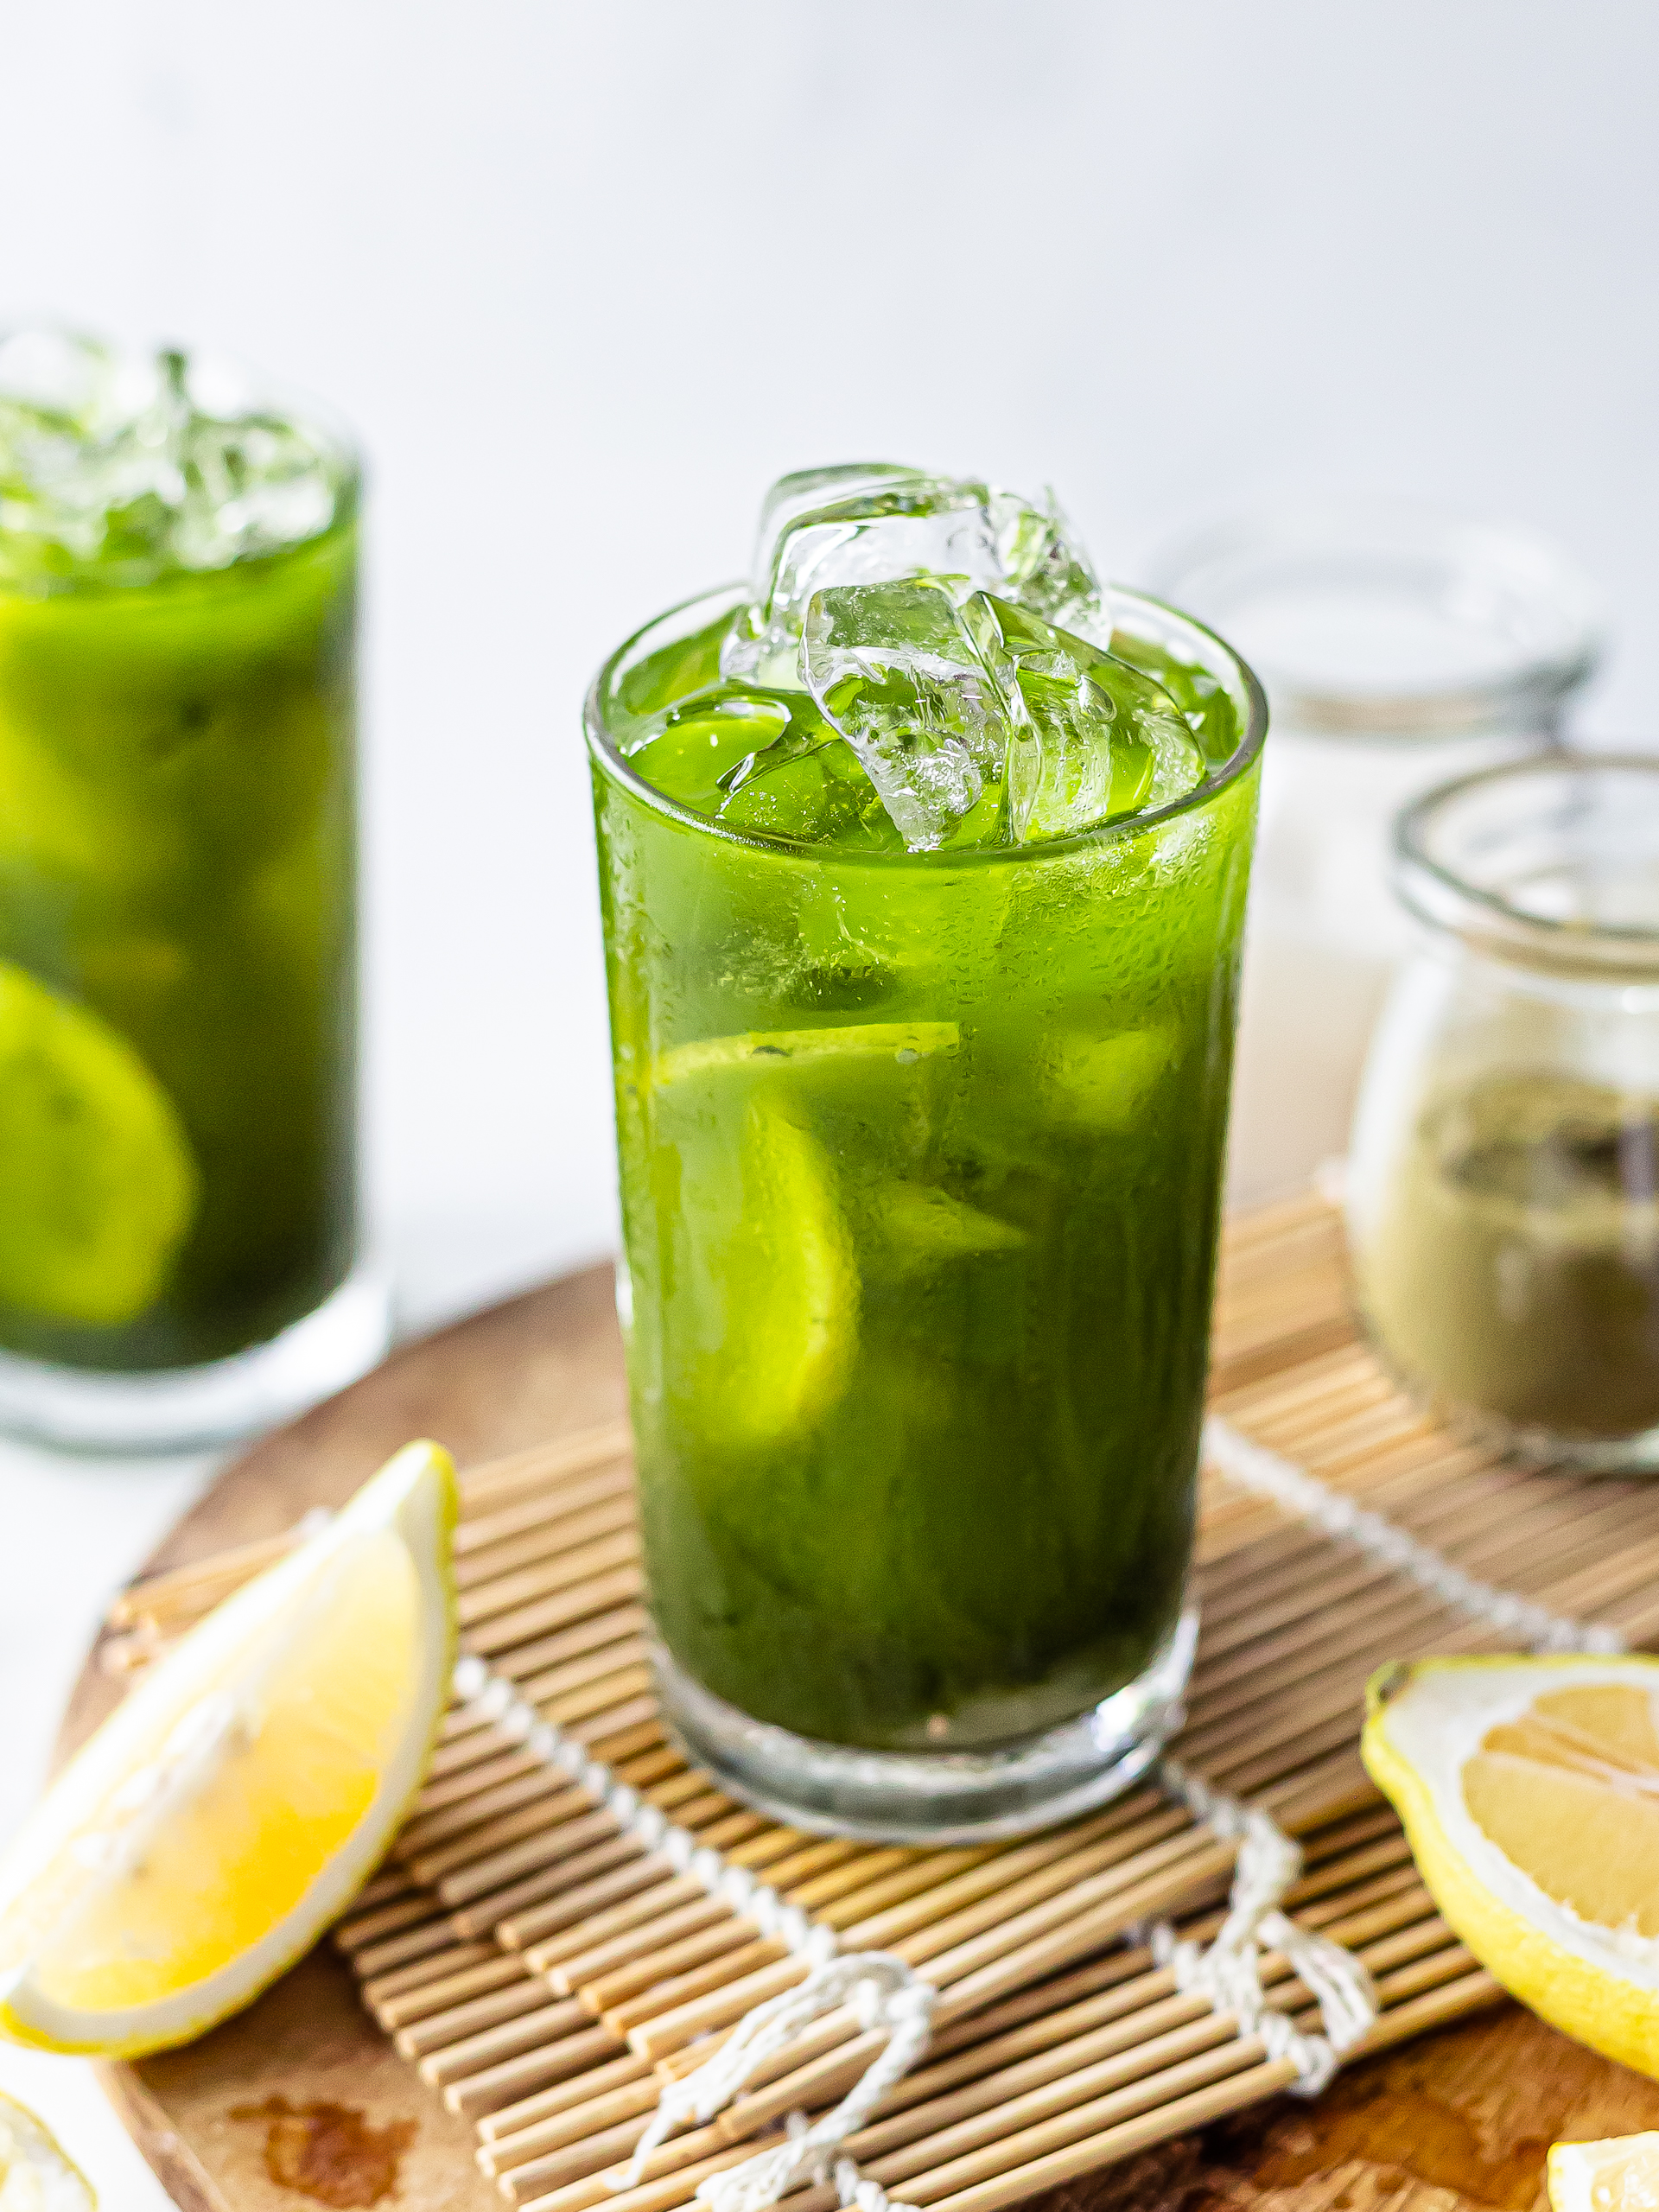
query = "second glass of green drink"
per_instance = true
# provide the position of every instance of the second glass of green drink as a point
(923, 871)
(179, 1236)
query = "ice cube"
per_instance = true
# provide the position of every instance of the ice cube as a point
(893, 526)
(894, 667)
(745, 647)
(799, 494)
(1091, 738)
(1044, 566)
(127, 466)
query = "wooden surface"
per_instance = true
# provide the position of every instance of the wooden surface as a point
(1460, 2119)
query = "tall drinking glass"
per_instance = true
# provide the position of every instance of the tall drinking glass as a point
(920, 1162)
(178, 1211)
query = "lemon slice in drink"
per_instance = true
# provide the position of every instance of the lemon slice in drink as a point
(1103, 1082)
(904, 1043)
(228, 1811)
(1618, 2174)
(34, 2174)
(1529, 1790)
(924, 1226)
(781, 1290)
(98, 1183)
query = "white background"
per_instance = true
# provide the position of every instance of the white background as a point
(586, 276)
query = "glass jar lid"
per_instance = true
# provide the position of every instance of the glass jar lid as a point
(1551, 863)
(1389, 621)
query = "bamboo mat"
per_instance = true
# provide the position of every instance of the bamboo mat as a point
(546, 1974)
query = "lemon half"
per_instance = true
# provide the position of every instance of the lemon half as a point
(223, 1815)
(1618, 2174)
(1529, 1790)
(34, 2174)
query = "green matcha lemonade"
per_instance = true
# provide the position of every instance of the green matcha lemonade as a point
(178, 1237)
(923, 862)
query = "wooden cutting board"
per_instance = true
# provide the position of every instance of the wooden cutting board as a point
(302, 2101)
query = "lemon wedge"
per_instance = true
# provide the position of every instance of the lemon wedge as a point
(1618, 2174)
(34, 2175)
(223, 1815)
(1529, 1790)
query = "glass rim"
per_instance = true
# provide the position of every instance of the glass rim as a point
(603, 748)
(337, 443)
(1444, 899)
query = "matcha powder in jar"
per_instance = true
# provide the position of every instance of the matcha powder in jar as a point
(1504, 1186)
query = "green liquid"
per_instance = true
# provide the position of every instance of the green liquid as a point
(920, 1162)
(176, 840)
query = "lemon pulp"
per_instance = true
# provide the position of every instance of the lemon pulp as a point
(1570, 1792)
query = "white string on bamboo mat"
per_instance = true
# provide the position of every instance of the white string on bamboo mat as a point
(886, 1994)
(883, 1989)
(1230, 1972)
(1269, 1475)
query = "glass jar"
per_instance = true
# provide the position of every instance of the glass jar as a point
(1504, 1178)
(1398, 649)
(179, 1236)
(921, 1176)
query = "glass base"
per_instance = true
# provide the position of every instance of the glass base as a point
(1560, 1450)
(941, 1797)
(1527, 1444)
(186, 1408)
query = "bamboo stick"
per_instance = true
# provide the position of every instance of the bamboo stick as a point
(482, 1531)
(559, 1533)
(428, 1832)
(572, 1570)
(398, 2009)
(399, 1980)
(521, 1661)
(512, 2078)
(440, 2032)
(621, 1586)
(186, 1592)
(495, 1483)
